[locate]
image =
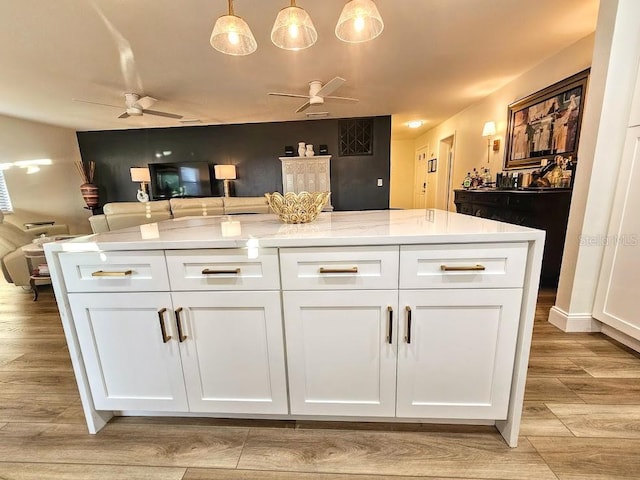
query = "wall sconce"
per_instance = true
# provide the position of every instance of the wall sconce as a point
(143, 176)
(225, 173)
(488, 131)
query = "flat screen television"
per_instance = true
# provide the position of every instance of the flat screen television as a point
(184, 179)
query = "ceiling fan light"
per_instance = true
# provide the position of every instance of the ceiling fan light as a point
(232, 36)
(293, 29)
(360, 21)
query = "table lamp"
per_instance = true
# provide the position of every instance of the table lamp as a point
(143, 176)
(225, 173)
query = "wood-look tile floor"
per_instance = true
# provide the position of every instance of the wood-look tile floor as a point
(581, 422)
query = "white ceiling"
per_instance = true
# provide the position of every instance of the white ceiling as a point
(434, 58)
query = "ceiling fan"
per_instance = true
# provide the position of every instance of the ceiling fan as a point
(318, 93)
(136, 106)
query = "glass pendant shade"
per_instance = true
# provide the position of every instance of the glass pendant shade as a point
(360, 21)
(293, 29)
(232, 35)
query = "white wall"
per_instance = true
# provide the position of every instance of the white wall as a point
(470, 147)
(53, 193)
(402, 172)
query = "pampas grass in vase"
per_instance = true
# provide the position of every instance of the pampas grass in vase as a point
(88, 189)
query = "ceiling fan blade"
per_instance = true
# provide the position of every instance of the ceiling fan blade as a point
(124, 115)
(146, 102)
(343, 99)
(331, 87)
(96, 103)
(303, 107)
(161, 114)
(294, 95)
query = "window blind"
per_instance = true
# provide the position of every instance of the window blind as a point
(5, 201)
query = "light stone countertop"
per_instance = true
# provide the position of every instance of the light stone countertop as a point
(378, 227)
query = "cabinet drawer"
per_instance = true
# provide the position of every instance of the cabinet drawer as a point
(488, 265)
(225, 269)
(343, 267)
(144, 271)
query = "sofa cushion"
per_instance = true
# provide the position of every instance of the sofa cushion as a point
(234, 205)
(205, 206)
(130, 214)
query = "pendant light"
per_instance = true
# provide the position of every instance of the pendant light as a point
(293, 29)
(360, 21)
(231, 35)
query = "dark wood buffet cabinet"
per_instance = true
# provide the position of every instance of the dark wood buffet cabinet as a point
(546, 209)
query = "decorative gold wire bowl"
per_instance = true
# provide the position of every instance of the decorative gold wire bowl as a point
(300, 207)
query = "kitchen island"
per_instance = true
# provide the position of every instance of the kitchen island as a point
(395, 315)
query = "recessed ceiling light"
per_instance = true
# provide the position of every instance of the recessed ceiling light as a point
(415, 124)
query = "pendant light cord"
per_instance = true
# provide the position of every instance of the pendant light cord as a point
(231, 12)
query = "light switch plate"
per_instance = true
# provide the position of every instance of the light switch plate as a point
(379, 182)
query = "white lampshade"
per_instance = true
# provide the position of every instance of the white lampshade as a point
(225, 172)
(231, 35)
(489, 129)
(360, 21)
(140, 175)
(293, 29)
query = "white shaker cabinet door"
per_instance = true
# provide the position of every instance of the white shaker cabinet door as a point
(232, 351)
(341, 358)
(616, 301)
(456, 352)
(131, 362)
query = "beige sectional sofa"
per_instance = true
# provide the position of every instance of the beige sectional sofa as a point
(128, 214)
(12, 238)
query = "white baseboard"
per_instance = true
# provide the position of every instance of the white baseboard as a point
(621, 337)
(573, 322)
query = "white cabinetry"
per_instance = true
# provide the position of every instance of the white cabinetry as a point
(616, 297)
(456, 352)
(341, 351)
(307, 174)
(131, 364)
(232, 351)
(182, 351)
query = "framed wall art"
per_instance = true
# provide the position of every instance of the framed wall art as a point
(546, 123)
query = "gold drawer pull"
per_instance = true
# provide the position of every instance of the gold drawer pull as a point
(101, 273)
(233, 271)
(339, 270)
(163, 330)
(462, 268)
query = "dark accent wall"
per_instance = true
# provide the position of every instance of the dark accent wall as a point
(253, 148)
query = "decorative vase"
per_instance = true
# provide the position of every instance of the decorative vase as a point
(90, 194)
(310, 152)
(301, 149)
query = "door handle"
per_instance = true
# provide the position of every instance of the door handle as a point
(463, 268)
(407, 337)
(165, 338)
(181, 337)
(339, 270)
(390, 327)
(101, 273)
(232, 271)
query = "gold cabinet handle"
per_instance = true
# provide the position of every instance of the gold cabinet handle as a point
(102, 273)
(462, 268)
(407, 337)
(232, 271)
(181, 337)
(165, 338)
(339, 270)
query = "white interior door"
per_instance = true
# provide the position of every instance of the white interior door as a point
(420, 180)
(340, 357)
(233, 351)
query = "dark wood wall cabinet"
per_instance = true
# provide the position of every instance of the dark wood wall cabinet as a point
(547, 210)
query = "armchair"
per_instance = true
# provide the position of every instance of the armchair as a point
(12, 238)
